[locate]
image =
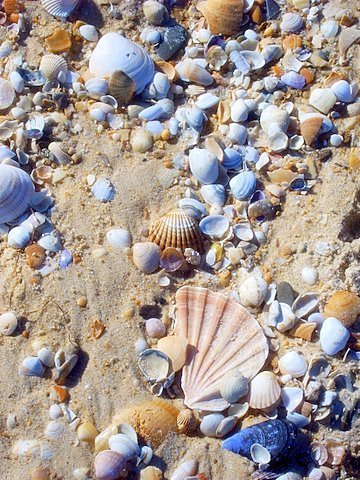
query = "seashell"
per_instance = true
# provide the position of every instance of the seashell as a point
(115, 52)
(216, 57)
(347, 37)
(18, 237)
(177, 229)
(297, 419)
(209, 424)
(175, 348)
(309, 275)
(146, 256)
(304, 330)
(323, 99)
(243, 231)
(102, 440)
(271, 52)
(243, 184)
(152, 420)
(155, 12)
(225, 319)
(310, 127)
(260, 454)
(291, 397)
(203, 165)
(305, 304)
(50, 241)
(110, 465)
(7, 94)
(121, 87)
(161, 84)
(60, 156)
(342, 91)
(226, 425)
(333, 336)
(103, 190)
(255, 60)
(195, 118)
(89, 32)
(86, 432)
(97, 87)
(343, 305)
(223, 112)
(293, 363)
(33, 449)
(278, 141)
(233, 160)
(151, 473)
(281, 316)
(279, 437)
(17, 82)
(187, 422)
(329, 29)
(52, 65)
(141, 140)
(32, 367)
(293, 80)
(12, 6)
(16, 192)
(190, 71)
(213, 194)
(274, 119)
(119, 238)
(123, 444)
(240, 61)
(264, 391)
(54, 429)
(60, 8)
(8, 323)
(212, 146)
(46, 356)
(291, 22)
(234, 386)
(214, 226)
(184, 470)
(253, 291)
(172, 259)
(155, 328)
(237, 134)
(239, 111)
(223, 17)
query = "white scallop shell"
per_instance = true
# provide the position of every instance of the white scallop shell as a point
(60, 8)
(291, 22)
(54, 429)
(51, 65)
(97, 87)
(203, 165)
(16, 192)
(253, 291)
(293, 363)
(115, 52)
(323, 99)
(61, 157)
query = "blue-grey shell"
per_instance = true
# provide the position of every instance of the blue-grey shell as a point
(243, 184)
(233, 160)
(293, 80)
(279, 437)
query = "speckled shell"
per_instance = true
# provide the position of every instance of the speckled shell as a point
(60, 8)
(51, 65)
(152, 420)
(177, 229)
(16, 192)
(115, 52)
(224, 337)
(264, 391)
(223, 16)
(253, 291)
(121, 86)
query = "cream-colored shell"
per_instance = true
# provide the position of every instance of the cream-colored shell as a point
(223, 16)
(51, 65)
(264, 391)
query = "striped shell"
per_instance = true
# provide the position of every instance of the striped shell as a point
(60, 8)
(265, 391)
(61, 157)
(121, 86)
(51, 65)
(16, 191)
(177, 229)
(187, 421)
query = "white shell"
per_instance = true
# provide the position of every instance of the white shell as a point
(243, 231)
(291, 397)
(97, 87)
(210, 423)
(310, 275)
(50, 241)
(234, 386)
(226, 425)
(293, 363)
(305, 303)
(89, 32)
(214, 226)
(278, 141)
(16, 192)
(190, 71)
(34, 449)
(207, 100)
(274, 119)
(123, 444)
(253, 291)
(32, 367)
(60, 8)
(342, 90)
(213, 194)
(260, 454)
(185, 469)
(61, 157)
(47, 357)
(298, 419)
(281, 316)
(291, 22)
(119, 237)
(329, 29)
(18, 237)
(103, 190)
(55, 412)
(8, 323)
(146, 256)
(333, 336)
(162, 85)
(7, 94)
(239, 111)
(17, 82)
(264, 391)
(54, 429)
(51, 65)
(203, 165)
(323, 99)
(115, 52)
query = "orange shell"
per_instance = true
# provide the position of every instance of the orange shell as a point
(291, 42)
(12, 6)
(343, 305)
(223, 16)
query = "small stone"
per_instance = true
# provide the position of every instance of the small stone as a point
(173, 40)
(8, 323)
(155, 328)
(81, 302)
(285, 293)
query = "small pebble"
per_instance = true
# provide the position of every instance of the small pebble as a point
(140, 345)
(310, 275)
(336, 140)
(81, 302)
(155, 328)
(8, 323)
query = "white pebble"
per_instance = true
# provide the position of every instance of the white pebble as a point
(140, 345)
(336, 140)
(333, 336)
(204, 35)
(309, 275)
(119, 237)
(8, 323)
(153, 37)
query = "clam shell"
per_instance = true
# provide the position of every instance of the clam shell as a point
(86, 432)
(7, 94)
(233, 160)
(243, 185)
(60, 8)
(33, 449)
(146, 256)
(214, 194)
(51, 65)
(178, 230)
(323, 99)
(209, 320)
(89, 32)
(115, 52)
(293, 363)
(103, 190)
(195, 118)
(119, 238)
(291, 397)
(333, 336)
(61, 157)
(190, 71)
(121, 87)
(97, 87)
(175, 348)
(271, 52)
(17, 82)
(54, 429)
(291, 22)
(293, 80)
(203, 165)
(305, 304)
(234, 386)
(102, 440)
(209, 424)
(187, 422)
(123, 444)
(18, 237)
(161, 84)
(154, 365)
(155, 12)
(264, 391)
(253, 291)
(16, 192)
(223, 16)
(110, 465)
(342, 90)
(32, 367)
(50, 241)
(278, 141)
(329, 29)
(239, 111)
(214, 226)
(260, 454)
(274, 119)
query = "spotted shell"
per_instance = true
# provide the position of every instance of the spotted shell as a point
(177, 229)
(51, 65)
(223, 16)
(121, 86)
(16, 192)
(60, 8)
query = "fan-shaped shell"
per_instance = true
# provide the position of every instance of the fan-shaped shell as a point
(51, 65)
(177, 229)
(61, 157)
(265, 391)
(243, 185)
(121, 86)
(60, 8)
(115, 52)
(16, 191)
(291, 22)
(223, 336)
(223, 16)
(310, 127)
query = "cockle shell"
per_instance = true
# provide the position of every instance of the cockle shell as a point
(264, 391)
(203, 165)
(274, 119)
(155, 12)
(16, 192)
(323, 99)
(223, 16)
(233, 160)
(121, 87)
(60, 8)
(253, 291)
(178, 230)
(146, 256)
(243, 184)
(110, 465)
(115, 52)
(51, 65)
(209, 320)
(293, 363)
(291, 22)
(333, 336)
(61, 157)
(234, 386)
(190, 71)
(187, 421)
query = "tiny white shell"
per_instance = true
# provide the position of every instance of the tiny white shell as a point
(210, 423)
(278, 141)
(239, 111)
(146, 256)
(89, 32)
(103, 190)
(206, 101)
(97, 87)
(305, 303)
(17, 82)
(50, 241)
(260, 454)
(18, 237)
(310, 275)
(51, 65)
(291, 22)
(54, 429)
(329, 28)
(8, 323)
(55, 412)
(253, 291)
(293, 363)
(119, 237)
(333, 336)
(342, 90)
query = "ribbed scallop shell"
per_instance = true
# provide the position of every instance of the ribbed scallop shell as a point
(223, 16)
(61, 157)
(121, 86)
(291, 22)
(52, 65)
(265, 391)
(60, 8)
(177, 229)
(222, 336)
(16, 191)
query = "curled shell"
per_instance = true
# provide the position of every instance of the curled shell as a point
(60, 8)
(223, 16)
(110, 465)
(51, 65)
(178, 230)
(234, 386)
(146, 256)
(16, 192)
(264, 391)
(187, 422)
(121, 87)
(260, 454)
(172, 259)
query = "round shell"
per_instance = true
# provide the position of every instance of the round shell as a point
(8, 323)
(60, 8)
(223, 16)
(343, 305)
(121, 86)
(51, 65)
(291, 22)
(234, 386)
(146, 256)
(253, 291)
(293, 363)
(177, 229)
(155, 12)
(16, 192)
(264, 392)
(110, 465)
(187, 421)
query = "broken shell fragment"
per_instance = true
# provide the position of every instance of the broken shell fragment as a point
(154, 365)
(323, 99)
(175, 347)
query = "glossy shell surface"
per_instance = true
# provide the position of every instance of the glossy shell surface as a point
(16, 192)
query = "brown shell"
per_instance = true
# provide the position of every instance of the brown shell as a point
(310, 127)
(223, 16)
(152, 420)
(121, 86)
(187, 421)
(177, 229)
(343, 305)
(12, 6)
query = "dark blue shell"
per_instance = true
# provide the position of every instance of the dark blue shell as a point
(279, 437)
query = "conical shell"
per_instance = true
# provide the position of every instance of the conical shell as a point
(60, 8)
(16, 192)
(265, 391)
(177, 229)
(222, 336)
(152, 420)
(52, 65)
(310, 127)
(121, 87)
(223, 16)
